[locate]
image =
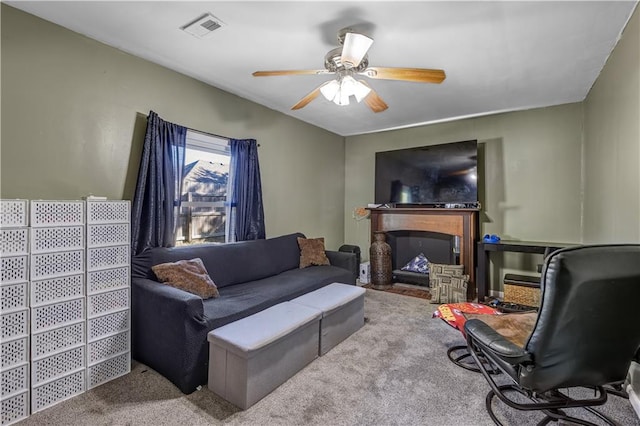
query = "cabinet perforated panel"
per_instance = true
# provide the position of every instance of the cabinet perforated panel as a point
(56, 289)
(14, 269)
(48, 342)
(13, 213)
(56, 213)
(107, 325)
(14, 297)
(60, 238)
(106, 348)
(108, 235)
(58, 365)
(108, 370)
(15, 324)
(14, 241)
(107, 257)
(56, 264)
(51, 393)
(15, 408)
(110, 301)
(15, 352)
(108, 279)
(15, 380)
(57, 314)
(107, 212)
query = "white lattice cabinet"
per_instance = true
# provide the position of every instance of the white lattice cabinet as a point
(14, 309)
(65, 287)
(58, 301)
(108, 291)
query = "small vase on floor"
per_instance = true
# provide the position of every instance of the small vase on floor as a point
(380, 256)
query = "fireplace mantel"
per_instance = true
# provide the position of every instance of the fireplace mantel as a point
(460, 222)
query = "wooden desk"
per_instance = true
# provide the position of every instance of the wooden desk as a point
(484, 249)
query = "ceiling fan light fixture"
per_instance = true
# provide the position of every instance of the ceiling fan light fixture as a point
(330, 90)
(341, 99)
(360, 91)
(339, 91)
(355, 48)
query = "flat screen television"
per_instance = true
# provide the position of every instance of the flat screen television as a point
(428, 175)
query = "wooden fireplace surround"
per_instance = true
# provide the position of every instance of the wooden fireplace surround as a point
(460, 222)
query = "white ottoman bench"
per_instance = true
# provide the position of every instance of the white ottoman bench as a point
(251, 357)
(342, 307)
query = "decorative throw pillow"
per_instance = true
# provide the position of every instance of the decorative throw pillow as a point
(448, 289)
(447, 283)
(187, 275)
(312, 252)
(418, 264)
(443, 268)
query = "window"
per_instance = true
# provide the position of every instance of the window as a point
(204, 190)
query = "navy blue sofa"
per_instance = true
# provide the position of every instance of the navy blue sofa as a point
(169, 326)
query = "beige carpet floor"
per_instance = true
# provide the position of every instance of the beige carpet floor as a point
(393, 371)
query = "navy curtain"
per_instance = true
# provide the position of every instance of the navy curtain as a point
(157, 198)
(245, 213)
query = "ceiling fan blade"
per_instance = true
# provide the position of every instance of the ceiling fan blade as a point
(355, 48)
(311, 96)
(375, 102)
(289, 72)
(419, 75)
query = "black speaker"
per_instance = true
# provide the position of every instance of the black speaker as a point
(348, 248)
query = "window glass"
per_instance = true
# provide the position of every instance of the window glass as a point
(204, 190)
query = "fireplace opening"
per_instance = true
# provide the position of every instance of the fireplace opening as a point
(406, 245)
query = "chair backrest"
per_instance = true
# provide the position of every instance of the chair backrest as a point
(588, 326)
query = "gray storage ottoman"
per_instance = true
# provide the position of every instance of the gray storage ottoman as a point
(251, 357)
(342, 307)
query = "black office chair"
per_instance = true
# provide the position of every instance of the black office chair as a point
(586, 333)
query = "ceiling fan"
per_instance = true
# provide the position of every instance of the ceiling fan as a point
(348, 62)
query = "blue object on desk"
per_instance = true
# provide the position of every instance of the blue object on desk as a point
(493, 238)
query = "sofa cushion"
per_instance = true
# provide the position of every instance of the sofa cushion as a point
(241, 300)
(187, 275)
(312, 252)
(230, 263)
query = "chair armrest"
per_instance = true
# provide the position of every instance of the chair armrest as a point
(485, 336)
(345, 260)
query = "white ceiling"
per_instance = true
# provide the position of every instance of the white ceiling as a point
(498, 56)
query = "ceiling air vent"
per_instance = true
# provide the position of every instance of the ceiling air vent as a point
(203, 26)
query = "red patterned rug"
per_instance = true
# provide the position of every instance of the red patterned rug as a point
(406, 291)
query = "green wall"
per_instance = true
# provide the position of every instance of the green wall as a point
(612, 145)
(529, 168)
(74, 116)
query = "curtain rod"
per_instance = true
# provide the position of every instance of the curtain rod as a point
(210, 134)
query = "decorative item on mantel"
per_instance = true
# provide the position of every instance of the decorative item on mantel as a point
(380, 257)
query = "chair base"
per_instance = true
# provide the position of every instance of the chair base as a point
(553, 398)
(459, 354)
(551, 403)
